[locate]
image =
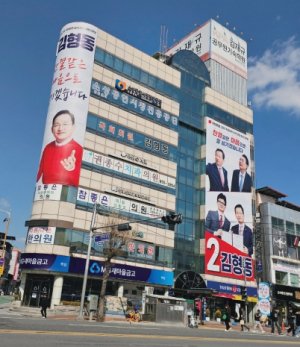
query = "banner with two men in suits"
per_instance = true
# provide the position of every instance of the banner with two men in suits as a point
(228, 198)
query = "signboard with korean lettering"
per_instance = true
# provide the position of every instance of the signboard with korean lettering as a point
(67, 113)
(222, 259)
(214, 41)
(228, 199)
(264, 298)
(36, 261)
(47, 192)
(122, 271)
(41, 235)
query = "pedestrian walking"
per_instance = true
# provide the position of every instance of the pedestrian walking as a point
(242, 320)
(257, 323)
(227, 317)
(290, 319)
(274, 318)
(297, 314)
(44, 303)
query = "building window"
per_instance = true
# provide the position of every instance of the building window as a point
(294, 280)
(277, 224)
(281, 278)
(290, 227)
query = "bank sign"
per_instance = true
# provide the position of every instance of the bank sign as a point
(233, 289)
(122, 87)
(73, 265)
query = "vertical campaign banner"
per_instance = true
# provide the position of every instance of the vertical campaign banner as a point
(263, 298)
(228, 205)
(62, 149)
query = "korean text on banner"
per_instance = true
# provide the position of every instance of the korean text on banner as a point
(67, 113)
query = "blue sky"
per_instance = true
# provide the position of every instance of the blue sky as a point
(29, 34)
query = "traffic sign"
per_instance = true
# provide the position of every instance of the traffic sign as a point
(1, 270)
(1, 261)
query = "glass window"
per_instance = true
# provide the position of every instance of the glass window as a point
(136, 73)
(203, 166)
(292, 253)
(118, 64)
(181, 207)
(294, 280)
(99, 55)
(62, 237)
(290, 227)
(297, 229)
(144, 77)
(77, 239)
(202, 197)
(152, 82)
(190, 163)
(189, 210)
(181, 192)
(160, 85)
(183, 132)
(109, 60)
(182, 175)
(281, 278)
(189, 178)
(127, 69)
(183, 146)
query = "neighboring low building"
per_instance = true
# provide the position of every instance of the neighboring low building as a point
(279, 225)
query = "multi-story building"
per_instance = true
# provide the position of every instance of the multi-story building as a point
(142, 135)
(279, 224)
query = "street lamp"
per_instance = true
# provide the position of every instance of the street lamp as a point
(171, 220)
(7, 220)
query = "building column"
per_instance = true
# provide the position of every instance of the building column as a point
(57, 289)
(120, 290)
(22, 285)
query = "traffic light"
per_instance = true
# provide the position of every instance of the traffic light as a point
(172, 219)
(124, 227)
(244, 293)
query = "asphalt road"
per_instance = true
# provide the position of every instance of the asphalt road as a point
(21, 331)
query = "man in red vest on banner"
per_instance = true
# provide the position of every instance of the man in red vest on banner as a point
(61, 159)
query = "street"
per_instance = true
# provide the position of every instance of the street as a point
(23, 331)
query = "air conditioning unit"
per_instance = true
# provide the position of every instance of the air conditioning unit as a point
(149, 290)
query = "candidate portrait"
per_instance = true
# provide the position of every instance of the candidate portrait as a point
(218, 181)
(243, 230)
(61, 159)
(216, 222)
(241, 180)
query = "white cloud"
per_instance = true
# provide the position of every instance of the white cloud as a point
(278, 17)
(274, 78)
(21, 239)
(4, 203)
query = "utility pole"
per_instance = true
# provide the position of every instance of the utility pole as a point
(7, 220)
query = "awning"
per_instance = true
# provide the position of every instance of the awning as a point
(296, 304)
(223, 295)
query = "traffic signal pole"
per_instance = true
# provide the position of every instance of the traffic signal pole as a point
(246, 301)
(173, 219)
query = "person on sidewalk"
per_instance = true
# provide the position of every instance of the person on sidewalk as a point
(274, 318)
(257, 318)
(227, 318)
(44, 303)
(242, 320)
(297, 314)
(290, 319)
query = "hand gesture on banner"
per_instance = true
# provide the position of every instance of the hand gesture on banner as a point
(245, 250)
(69, 163)
(218, 232)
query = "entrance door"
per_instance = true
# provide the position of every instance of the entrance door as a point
(37, 286)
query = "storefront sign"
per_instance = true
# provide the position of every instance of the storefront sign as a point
(122, 271)
(123, 192)
(286, 293)
(36, 261)
(285, 266)
(125, 168)
(41, 235)
(121, 86)
(118, 203)
(233, 289)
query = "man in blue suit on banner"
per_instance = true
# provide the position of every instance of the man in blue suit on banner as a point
(241, 180)
(217, 174)
(243, 230)
(216, 222)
